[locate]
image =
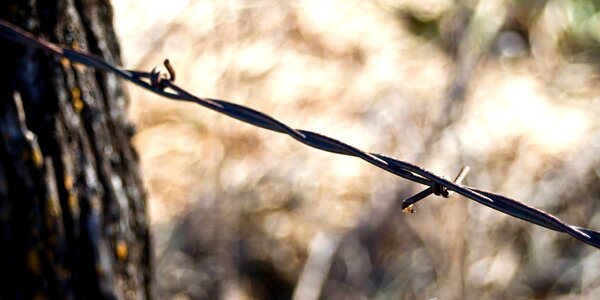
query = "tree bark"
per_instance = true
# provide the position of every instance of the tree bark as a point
(72, 208)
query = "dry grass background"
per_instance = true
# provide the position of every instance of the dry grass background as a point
(238, 212)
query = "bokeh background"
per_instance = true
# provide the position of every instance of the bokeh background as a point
(509, 88)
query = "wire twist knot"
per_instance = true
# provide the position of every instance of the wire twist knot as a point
(436, 188)
(159, 78)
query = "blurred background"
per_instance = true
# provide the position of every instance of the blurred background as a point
(509, 88)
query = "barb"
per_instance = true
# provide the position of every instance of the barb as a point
(161, 84)
(436, 189)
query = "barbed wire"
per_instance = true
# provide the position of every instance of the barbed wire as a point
(161, 83)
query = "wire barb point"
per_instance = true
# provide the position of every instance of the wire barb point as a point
(170, 69)
(459, 179)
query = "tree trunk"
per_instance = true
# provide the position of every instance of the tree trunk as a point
(72, 207)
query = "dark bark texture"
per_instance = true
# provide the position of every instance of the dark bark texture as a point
(72, 208)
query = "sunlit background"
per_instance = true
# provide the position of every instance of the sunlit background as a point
(509, 88)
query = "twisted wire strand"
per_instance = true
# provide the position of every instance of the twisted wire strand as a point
(160, 84)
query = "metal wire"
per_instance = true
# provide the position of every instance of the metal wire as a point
(161, 84)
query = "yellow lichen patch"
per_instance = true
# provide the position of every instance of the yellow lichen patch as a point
(37, 158)
(79, 67)
(75, 93)
(73, 202)
(33, 261)
(76, 96)
(35, 155)
(121, 250)
(53, 207)
(65, 63)
(409, 209)
(68, 181)
(53, 212)
(78, 105)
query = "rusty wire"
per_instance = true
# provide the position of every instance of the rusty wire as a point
(160, 83)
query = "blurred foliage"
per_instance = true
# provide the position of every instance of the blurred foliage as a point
(508, 87)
